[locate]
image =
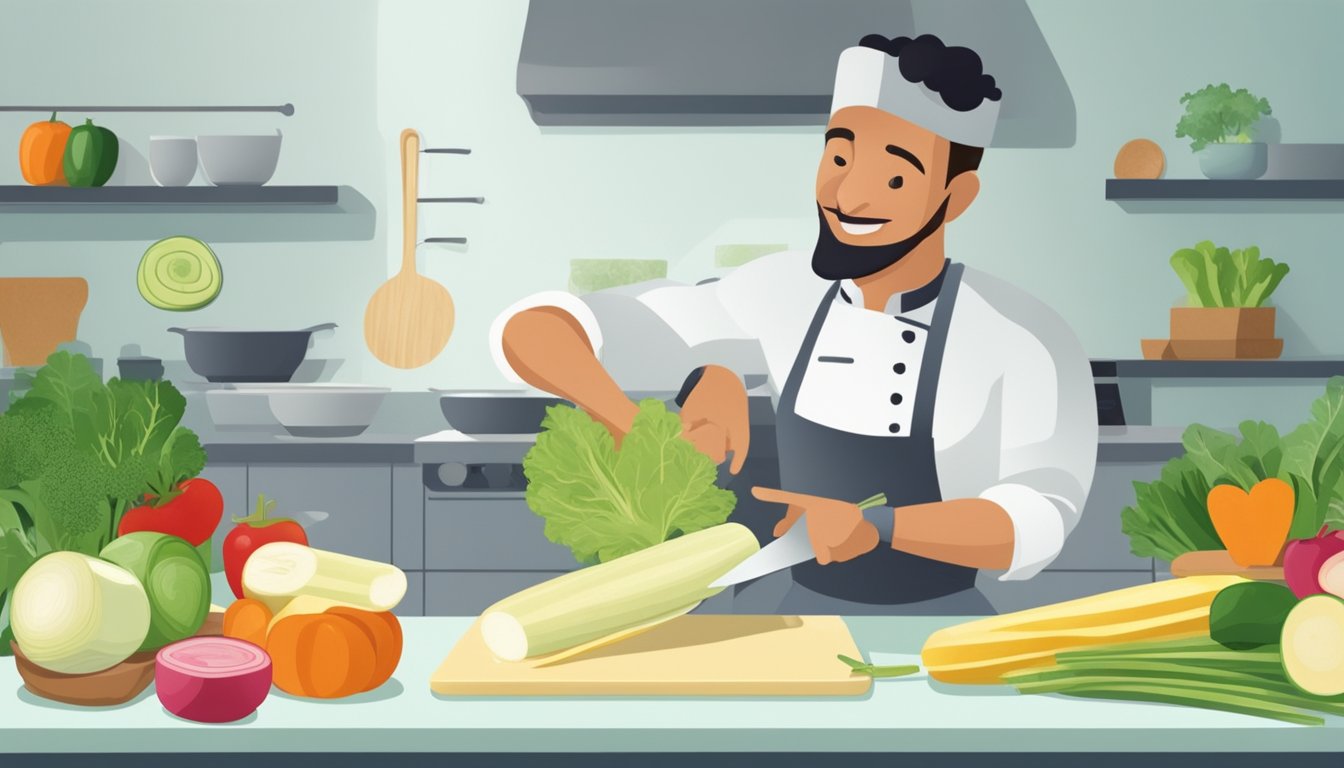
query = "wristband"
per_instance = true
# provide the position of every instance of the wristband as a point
(688, 385)
(884, 519)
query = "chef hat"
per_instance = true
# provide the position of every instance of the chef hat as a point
(872, 78)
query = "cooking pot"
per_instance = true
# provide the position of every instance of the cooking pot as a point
(233, 356)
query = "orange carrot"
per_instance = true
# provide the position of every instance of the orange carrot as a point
(1254, 527)
(246, 619)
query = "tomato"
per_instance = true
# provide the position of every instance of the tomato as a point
(191, 512)
(250, 534)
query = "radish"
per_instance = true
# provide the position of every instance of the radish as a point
(1303, 558)
(212, 679)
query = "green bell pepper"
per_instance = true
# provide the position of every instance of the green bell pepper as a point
(90, 155)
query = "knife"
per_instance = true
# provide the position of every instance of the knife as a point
(792, 548)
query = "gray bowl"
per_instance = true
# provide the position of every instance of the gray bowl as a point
(495, 412)
(239, 159)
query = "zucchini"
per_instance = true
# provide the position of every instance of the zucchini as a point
(1250, 615)
(1313, 645)
(637, 590)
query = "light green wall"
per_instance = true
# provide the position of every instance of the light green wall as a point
(359, 72)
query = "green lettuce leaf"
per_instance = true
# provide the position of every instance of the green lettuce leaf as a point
(603, 503)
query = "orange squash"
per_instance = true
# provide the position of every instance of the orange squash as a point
(384, 631)
(323, 656)
(247, 620)
(41, 151)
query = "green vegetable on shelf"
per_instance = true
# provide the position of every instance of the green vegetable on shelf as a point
(1216, 114)
(875, 671)
(603, 503)
(90, 155)
(1215, 276)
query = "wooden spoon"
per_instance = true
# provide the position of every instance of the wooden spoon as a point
(410, 317)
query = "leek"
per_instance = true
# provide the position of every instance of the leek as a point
(635, 590)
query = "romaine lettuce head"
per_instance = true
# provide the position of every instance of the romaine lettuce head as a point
(603, 503)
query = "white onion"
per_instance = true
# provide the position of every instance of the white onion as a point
(76, 614)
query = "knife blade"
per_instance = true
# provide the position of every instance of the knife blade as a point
(792, 548)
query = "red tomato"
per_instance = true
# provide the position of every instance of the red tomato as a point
(251, 533)
(192, 513)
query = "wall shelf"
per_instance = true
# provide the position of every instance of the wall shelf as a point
(22, 195)
(222, 214)
(1302, 368)
(1224, 189)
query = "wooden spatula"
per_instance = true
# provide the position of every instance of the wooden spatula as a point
(410, 317)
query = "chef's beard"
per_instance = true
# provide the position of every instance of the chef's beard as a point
(834, 260)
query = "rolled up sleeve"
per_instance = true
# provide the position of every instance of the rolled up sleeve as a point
(1040, 525)
(648, 336)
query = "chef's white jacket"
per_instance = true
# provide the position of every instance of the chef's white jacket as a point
(1014, 418)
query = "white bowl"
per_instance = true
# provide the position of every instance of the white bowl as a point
(325, 410)
(238, 159)
(172, 160)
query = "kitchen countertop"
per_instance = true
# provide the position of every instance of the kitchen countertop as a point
(1117, 444)
(899, 715)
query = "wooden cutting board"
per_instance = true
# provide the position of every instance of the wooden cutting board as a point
(691, 655)
(1217, 562)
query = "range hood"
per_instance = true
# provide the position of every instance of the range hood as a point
(766, 62)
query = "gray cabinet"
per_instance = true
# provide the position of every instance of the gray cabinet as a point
(467, 593)
(344, 508)
(489, 531)
(408, 517)
(1097, 543)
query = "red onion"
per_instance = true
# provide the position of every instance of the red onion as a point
(212, 679)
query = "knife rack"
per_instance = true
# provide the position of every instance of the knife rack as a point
(477, 200)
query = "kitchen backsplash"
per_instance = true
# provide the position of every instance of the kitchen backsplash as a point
(558, 194)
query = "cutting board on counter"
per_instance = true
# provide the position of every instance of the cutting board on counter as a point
(694, 655)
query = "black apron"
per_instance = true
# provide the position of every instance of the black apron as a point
(822, 461)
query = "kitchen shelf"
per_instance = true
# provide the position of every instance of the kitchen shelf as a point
(1225, 189)
(266, 214)
(1318, 368)
(474, 200)
(284, 109)
(23, 195)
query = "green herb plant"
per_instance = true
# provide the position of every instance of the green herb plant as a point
(1215, 276)
(603, 503)
(1170, 515)
(76, 453)
(1216, 114)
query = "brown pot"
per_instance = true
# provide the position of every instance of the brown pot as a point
(37, 314)
(1221, 324)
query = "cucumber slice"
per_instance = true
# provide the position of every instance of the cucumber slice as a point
(179, 274)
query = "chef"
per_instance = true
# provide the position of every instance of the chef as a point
(969, 404)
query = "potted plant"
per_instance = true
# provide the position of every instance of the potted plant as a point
(1226, 316)
(1218, 120)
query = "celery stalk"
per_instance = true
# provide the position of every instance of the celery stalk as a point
(1185, 687)
(1193, 698)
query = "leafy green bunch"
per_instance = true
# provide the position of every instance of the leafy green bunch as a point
(76, 453)
(603, 503)
(1219, 277)
(1171, 515)
(1216, 114)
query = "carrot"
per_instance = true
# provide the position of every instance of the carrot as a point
(384, 632)
(247, 619)
(324, 656)
(1254, 527)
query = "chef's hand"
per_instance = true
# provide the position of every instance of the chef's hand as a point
(837, 529)
(714, 417)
